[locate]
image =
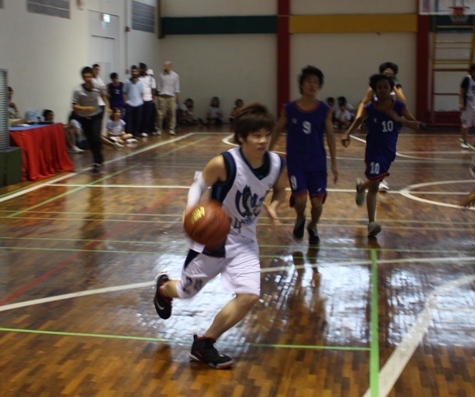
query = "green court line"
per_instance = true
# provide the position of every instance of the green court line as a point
(181, 147)
(295, 248)
(104, 178)
(150, 339)
(93, 219)
(71, 191)
(374, 345)
(132, 214)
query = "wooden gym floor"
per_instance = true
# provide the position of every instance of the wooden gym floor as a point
(392, 316)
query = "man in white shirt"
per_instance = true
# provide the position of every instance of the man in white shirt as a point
(149, 97)
(168, 90)
(96, 70)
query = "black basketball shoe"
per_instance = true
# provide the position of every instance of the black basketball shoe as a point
(313, 238)
(203, 351)
(163, 304)
(299, 227)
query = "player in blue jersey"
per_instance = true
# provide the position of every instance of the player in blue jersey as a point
(384, 122)
(240, 179)
(306, 121)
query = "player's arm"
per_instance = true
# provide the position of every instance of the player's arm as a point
(278, 197)
(214, 171)
(280, 127)
(367, 99)
(399, 94)
(331, 144)
(345, 141)
(407, 118)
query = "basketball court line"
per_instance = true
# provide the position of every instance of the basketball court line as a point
(398, 360)
(181, 341)
(17, 193)
(381, 382)
(104, 177)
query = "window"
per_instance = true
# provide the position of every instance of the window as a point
(57, 8)
(143, 17)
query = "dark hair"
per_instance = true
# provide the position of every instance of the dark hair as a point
(310, 71)
(85, 70)
(190, 100)
(212, 100)
(375, 78)
(113, 111)
(10, 89)
(472, 68)
(134, 67)
(388, 65)
(331, 99)
(237, 100)
(142, 65)
(252, 118)
(113, 75)
(46, 112)
(342, 99)
(96, 65)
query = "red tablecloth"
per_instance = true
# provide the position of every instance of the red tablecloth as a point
(44, 150)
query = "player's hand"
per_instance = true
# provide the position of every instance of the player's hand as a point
(271, 214)
(89, 109)
(346, 140)
(461, 107)
(335, 174)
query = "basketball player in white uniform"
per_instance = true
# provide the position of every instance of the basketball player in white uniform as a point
(467, 104)
(240, 179)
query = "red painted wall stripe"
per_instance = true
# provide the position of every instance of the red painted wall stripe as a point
(422, 68)
(283, 53)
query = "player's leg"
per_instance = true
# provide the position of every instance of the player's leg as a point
(240, 274)
(465, 118)
(371, 199)
(300, 204)
(317, 185)
(231, 314)
(316, 212)
(298, 185)
(197, 271)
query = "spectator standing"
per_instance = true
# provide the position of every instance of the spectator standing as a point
(115, 91)
(133, 98)
(168, 90)
(149, 98)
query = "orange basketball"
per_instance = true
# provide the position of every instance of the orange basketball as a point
(207, 223)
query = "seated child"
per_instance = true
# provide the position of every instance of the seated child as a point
(238, 103)
(185, 113)
(115, 129)
(343, 117)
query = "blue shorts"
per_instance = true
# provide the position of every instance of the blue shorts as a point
(303, 180)
(377, 167)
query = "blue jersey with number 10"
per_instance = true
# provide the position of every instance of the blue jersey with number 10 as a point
(383, 132)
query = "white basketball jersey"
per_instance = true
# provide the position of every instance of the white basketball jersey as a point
(242, 195)
(470, 93)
